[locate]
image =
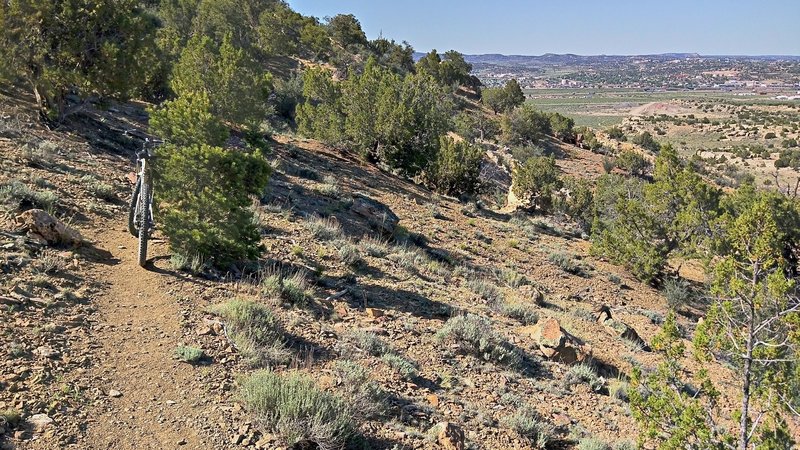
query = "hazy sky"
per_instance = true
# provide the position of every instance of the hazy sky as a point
(587, 27)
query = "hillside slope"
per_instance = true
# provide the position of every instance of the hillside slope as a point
(92, 336)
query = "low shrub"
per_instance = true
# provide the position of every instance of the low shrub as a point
(528, 423)
(404, 366)
(293, 289)
(366, 398)
(565, 262)
(297, 412)
(677, 293)
(475, 335)
(584, 373)
(189, 354)
(254, 331)
(525, 314)
(325, 229)
(16, 195)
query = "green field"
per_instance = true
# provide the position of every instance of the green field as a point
(602, 108)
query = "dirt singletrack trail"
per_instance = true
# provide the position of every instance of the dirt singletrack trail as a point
(151, 399)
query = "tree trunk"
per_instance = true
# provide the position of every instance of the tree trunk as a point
(744, 438)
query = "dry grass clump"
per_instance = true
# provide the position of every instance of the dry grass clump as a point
(528, 423)
(254, 331)
(297, 412)
(475, 335)
(325, 229)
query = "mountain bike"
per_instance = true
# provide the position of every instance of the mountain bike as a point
(140, 212)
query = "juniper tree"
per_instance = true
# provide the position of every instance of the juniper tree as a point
(61, 47)
(755, 310)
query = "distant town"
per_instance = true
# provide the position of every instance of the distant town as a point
(775, 76)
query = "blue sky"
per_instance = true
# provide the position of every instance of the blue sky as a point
(579, 26)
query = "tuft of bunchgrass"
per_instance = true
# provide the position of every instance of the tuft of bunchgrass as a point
(677, 293)
(565, 262)
(475, 335)
(525, 314)
(619, 390)
(528, 423)
(194, 264)
(366, 398)
(584, 373)
(329, 187)
(293, 289)
(349, 253)
(591, 443)
(366, 342)
(405, 367)
(486, 290)
(296, 411)
(375, 246)
(189, 354)
(48, 262)
(254, 330)
(15, 195)
(325, 229)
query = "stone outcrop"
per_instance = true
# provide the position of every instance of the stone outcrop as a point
(43, 227)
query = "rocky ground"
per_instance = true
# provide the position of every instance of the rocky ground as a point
(89, 337)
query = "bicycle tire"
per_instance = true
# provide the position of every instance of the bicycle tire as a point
(132, 228)
(144, 221)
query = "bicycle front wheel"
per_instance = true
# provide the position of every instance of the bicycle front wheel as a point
(144, 221)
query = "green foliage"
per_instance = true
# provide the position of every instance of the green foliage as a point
(103, 47)
(236, 88)
(16, 195)
(755, 306)
(450, 71)
(536, 181)
(365, 397)
(584, 373)
(576, 201)
(384, 117)
(633, 162)
(475, 126)
(204, 194)
(455, 169)
(524, 313)
(314, 40)
(617, 134)
(641, 224)
(189, 354)
(187, 121)
(525, 126)
(669, 416)
(677, 293)
(646, 141)
(396, 57)
(288, 94)
(295, 410)
(504, 99)
(322, 113)
(561, 127)
(345, 30)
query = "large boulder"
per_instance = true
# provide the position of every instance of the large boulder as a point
(555, 344)
(42, 226)
(378, 215)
